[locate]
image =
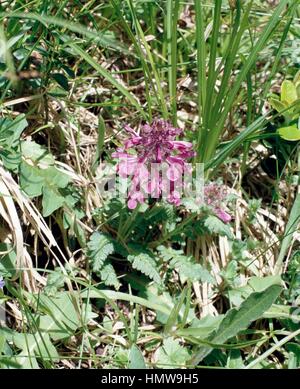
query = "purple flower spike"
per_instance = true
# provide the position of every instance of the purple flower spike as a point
(155, 144)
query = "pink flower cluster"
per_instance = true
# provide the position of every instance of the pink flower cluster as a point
(156, 144)
(214, 196)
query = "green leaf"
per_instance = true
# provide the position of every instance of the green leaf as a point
(11, 130)
(99, 248)
(35, 345)
(136, 359)
(185, 266)
(171, 354)
(288, 92)
(146, 265)
(290, 133)
(216, 226)
(31, 181)
(57, 92)
(259, 284)
(55, 281)
(109, 276)
(250, 310)
(52, 200)
(61, 80)
(61, 319)
(238, 319)
(278, 105)
(7, 261)
(201, 328)
(36, 153)
(47, 181)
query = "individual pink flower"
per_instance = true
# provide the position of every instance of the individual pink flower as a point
(155, 145)
(214, 197)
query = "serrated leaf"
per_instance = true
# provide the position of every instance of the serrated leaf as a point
(109, 276)
(99, 248)
(146, 265)
(187, 267)
(216, 226)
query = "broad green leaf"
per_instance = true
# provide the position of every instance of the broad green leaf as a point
(47, 181)
(288, 92)
(278, 105)
(37, 344)
(57, 92)
(171, 354)
(61, 80)
(52, 200)
(235, 360)
(238, 319)
(201, 328)
(136, 359)
(259, 284)
(250, 310)
(31, 181)
(294, 348)
(291, 133)
(36, 153)
(61, 319)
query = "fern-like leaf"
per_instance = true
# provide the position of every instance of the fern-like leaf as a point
(185, 266)
(99, 248)
(109, 276)
(146, 265)
(215, 226)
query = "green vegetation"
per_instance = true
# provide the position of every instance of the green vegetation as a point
(89, 281)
